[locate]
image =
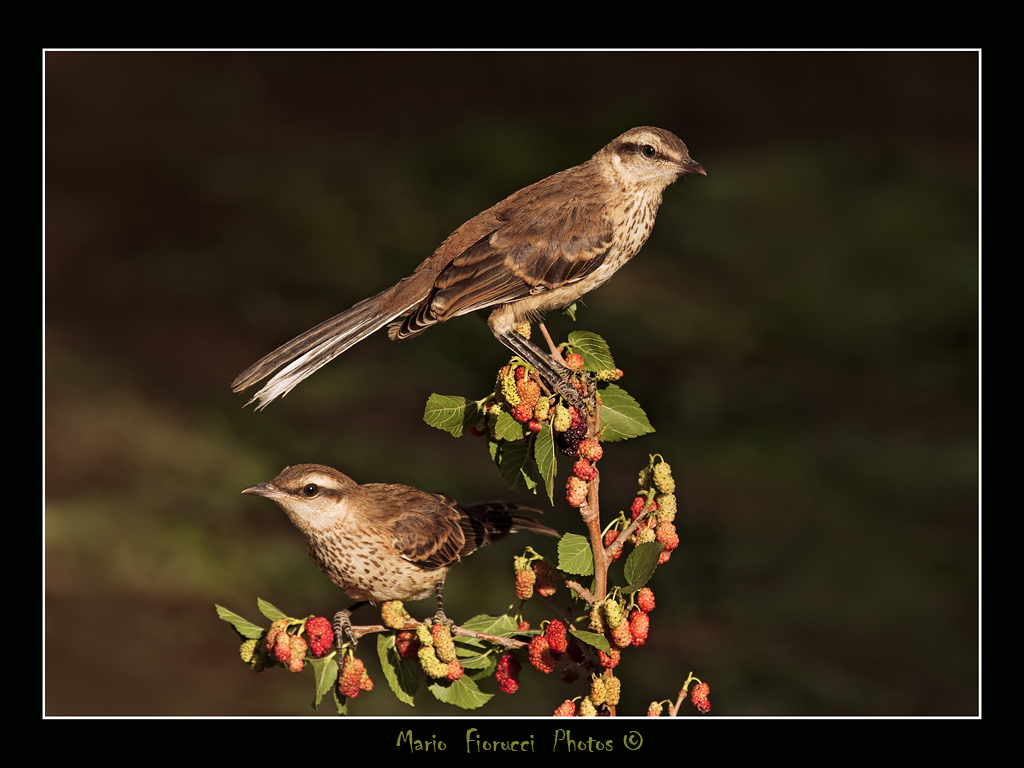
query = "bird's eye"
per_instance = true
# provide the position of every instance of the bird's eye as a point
(311, 490)
(648, 151)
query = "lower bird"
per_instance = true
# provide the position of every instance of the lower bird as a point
(381, 542)
(539, 249)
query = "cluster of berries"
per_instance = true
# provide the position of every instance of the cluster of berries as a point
(530, 574)
(278, 646)
(657, 502)
(604, 691)
(436, 652)
(517, 387)
(353, 678)
(587, 451)
(609, 617)
(546, 648)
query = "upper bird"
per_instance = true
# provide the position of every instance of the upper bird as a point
(381, 542)
(541, 248)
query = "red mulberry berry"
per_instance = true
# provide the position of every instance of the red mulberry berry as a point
(320, 634)
(610, 536)
(407, 643)
(645, 599)
(455, 670)
(609, 660)
(654, 710)
(283, 648)
(590, 450)
(350, 677)
(507, 673)
(276, 628)
(566, 709)
(574, 360)
(522, 413)
(540, 654)
(576, 490)
(699, 697)
(443, 643)
(639, 623)
(584, 470)
(557, 640)
(666, 533)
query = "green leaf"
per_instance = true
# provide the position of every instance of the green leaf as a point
(244, 627)
(451, 414)
(574, 555)
(507, 428)
(400, 673)
(502, 626)
(592, 638)
(269, 611)
(462, 693)
(570, 311)
(621, 415)
(544, 456)
(641, 563)
(596, 354)
(325, 673)
(514, 463)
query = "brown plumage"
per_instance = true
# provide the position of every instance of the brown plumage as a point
(382, 542)
(539, 249)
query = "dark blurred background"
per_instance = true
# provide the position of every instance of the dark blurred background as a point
(801, 328)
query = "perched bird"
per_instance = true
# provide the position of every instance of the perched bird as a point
(539, 249)
(381, 542)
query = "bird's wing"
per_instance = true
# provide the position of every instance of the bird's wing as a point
(426, 531)
(540, 240)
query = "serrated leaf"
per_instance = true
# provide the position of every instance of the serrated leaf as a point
(544, 456)
(325, 675)
(451, 414)
(641, 563)
(574, 555)
(503, 626)
(400, 673)
(514, 463)
(597, 356)
(621, 415)
(507, 428)
(592, 638)
(269, 610)
(244, 627)
(462, 693)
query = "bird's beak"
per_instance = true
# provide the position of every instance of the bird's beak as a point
(264, 489)
(692, 166)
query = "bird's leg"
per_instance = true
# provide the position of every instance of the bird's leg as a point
(439, 617)
(343, 627)
(559, 379)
